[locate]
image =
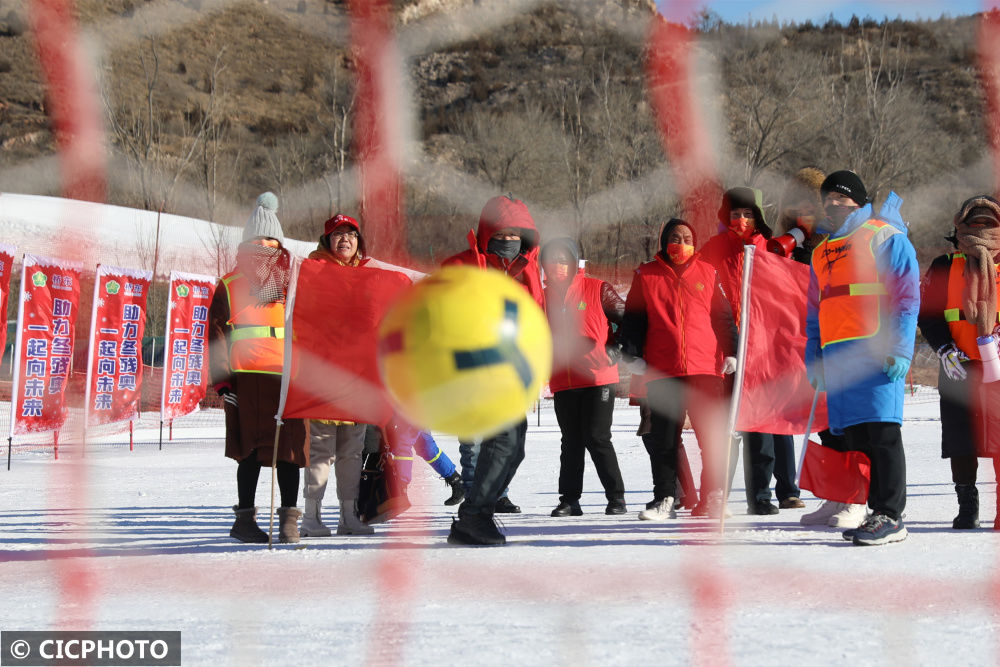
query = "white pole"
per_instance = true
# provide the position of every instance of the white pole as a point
(805, 438)
(741, 347)
(14, 389)
(166, 346)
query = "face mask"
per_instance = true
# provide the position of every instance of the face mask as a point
(740, 226)
(558, 272)
(837, 214)
(507, 249)
(679, 253)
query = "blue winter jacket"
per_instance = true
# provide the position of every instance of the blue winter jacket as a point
(857, 390)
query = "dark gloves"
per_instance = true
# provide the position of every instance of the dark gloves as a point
(614, 353)
(228, 396)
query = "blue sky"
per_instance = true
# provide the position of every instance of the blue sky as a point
(736, 11)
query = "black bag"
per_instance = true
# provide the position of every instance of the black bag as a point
(382, 495)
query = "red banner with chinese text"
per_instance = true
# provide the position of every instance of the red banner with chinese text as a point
(46, 327)
(185, 359)
(114, 362)
(6, 269)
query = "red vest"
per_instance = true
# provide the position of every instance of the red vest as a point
(680, 339)
(851, 291)
(963, 332)
(257, 338)
(579, 336)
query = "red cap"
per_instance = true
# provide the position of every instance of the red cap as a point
(340, 220)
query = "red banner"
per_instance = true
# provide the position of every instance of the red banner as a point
(114, 362)
(46, 327)
(776, 394)
(185, 361)
(6, 268)
(331, 327)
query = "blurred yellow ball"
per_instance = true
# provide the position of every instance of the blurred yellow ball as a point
(465, 351)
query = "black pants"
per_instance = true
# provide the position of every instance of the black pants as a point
(248, 472)
(584, 417)
(882, 442)
(498, 460)
(964, 469)
(700, 396)
(766, 455)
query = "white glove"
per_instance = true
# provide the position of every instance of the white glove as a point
(729, 365)
(636, 366)
(951, 361)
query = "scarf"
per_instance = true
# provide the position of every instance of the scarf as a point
(979, 297)
(267, 271)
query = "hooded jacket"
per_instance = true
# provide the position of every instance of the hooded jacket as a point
(580, 312)
(503, 213)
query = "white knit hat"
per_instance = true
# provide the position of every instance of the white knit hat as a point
(263, 221)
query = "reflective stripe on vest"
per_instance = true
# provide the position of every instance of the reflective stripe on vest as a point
(851, 290)
(963, 332)
(256, 339)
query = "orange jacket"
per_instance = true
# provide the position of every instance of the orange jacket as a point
(257, 335)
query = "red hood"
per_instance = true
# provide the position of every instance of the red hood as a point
(502, 213)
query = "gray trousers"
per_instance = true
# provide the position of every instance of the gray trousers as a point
(341, 445)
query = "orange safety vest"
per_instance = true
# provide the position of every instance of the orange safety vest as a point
(257, 337)
(851, 291)
(963, 332)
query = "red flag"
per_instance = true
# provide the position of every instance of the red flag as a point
(6, 268)
(331, 327)
(833, 475)
(46, 325)
(776, 395)
(114, 361)
(185, 362)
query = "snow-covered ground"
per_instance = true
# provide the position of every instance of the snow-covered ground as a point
(139, 541)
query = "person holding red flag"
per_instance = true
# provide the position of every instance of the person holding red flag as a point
(580, 311)
(506, 240)
(959, 304)
(679, 321)
(247, 348)
(743, 219)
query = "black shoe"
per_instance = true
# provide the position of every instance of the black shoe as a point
(763, 507)
(457, 489)
(616, 506)
(475, 530)
(504, 506)
(571, 508)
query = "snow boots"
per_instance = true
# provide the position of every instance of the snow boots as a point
(349, 522)
(312, 522)
(457, 489)
(968, 507)
(288, 524)
(245, 528)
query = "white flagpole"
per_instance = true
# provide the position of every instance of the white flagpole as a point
(741, 347)
(286, 371)
(166, 346)
(18, 342)
(805, 438)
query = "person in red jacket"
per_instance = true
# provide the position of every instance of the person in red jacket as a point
(678, 319)
(507, 241)
(580, 311)
(743, 219)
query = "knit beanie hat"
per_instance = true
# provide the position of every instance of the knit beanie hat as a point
(263, 222)
(846, 183)
(562, 242)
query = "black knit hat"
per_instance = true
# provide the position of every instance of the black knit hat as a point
(846, 183)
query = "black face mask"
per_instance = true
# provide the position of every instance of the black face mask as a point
(507, 249)
(837, 215)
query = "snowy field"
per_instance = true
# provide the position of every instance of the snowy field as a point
(139, 541)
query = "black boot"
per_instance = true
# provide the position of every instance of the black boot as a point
(968, 507)
(457, 489)
(568, 508)
(505, 506)
(475, 530)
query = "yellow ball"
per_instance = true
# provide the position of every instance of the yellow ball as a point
(465, 351)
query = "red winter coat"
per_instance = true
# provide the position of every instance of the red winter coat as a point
(502, 213)
(688, 322)
(580, 334)
(724, 251)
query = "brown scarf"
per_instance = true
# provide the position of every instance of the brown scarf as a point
(266, 269)
(979, 298)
